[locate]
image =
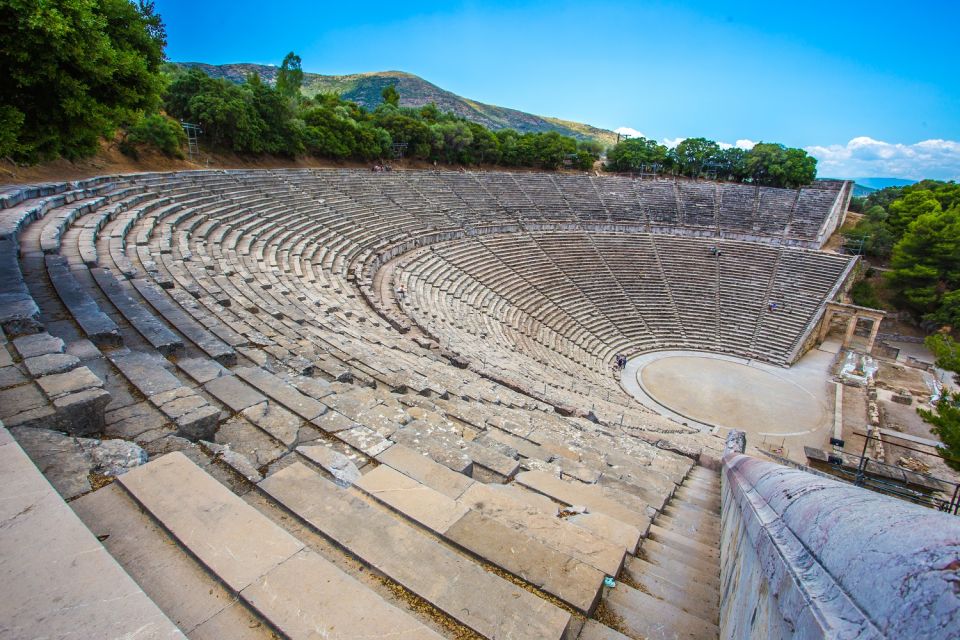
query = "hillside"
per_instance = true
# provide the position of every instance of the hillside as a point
(365, 88)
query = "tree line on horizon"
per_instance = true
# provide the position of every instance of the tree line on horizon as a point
(767, 163)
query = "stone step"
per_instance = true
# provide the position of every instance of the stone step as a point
(649, 494)
(695, 599)
(574, 582)
(703, 520)
(59, 581)
(415, 560)
(681, 543)
(281, 391)
(593, 630)
(642, 615)
(493, 501)
(193, 599)
(173, 313)
(610, 529)
(146, 324)
(657, 549)
(195, 418)
(95, 323)
(299, 592)
(423, 469)
(689, 496)
(590, 496)
(702, 473)
(680, 506)
(678, 571)
(702, 534)
(708, 489)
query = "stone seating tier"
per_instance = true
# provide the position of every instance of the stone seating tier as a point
(234, 313)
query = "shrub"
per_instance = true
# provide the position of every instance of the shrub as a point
(158, 131)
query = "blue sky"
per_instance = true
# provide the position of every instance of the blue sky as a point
(870, 88)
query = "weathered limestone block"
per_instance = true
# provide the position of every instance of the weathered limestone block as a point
(82, 413)
(59, 457)
(249, 441)
(38, 344)
(60, 384)
(200, 423)
(236, 461)
(343, 470)
(275, 420)
(50, 363)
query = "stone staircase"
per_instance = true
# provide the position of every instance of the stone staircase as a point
(671, 588)
(411, 549)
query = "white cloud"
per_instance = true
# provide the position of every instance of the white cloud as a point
(744, 144)
(671, 142)
(865, 157)
(633, 133)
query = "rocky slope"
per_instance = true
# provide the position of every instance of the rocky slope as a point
(365, 88)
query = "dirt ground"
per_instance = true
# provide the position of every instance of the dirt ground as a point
(896, 377)
(904, 418)
(109, 160)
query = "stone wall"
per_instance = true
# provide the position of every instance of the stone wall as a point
(808, 557)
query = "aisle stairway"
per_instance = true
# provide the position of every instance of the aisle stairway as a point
(677, 569)
(407, 551)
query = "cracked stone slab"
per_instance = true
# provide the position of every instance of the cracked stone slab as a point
(247, 440)
(307, 596)
(203, 370)
(416, 561)
(59, 457)
(418, 502)
(275, 420)
(546, 527)
(239, 545)
(236, 461)
(343, 470)
(38, 344)
(423, 469)
(50, 363)
(60, 384)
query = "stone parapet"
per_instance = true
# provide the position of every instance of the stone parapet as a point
(806, 556)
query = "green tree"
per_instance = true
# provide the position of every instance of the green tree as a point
(911, 206)
(873, 232)
(290, 76)
(926, 261)
(636, 153)
(390, 95)
(733, 164)
(73, 70)
(947, 313)
(775, 165)
(945, 349)
(945, 423)
(692, 154)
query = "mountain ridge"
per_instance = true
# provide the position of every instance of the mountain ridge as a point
(365, 88)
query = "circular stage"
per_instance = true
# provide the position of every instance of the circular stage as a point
(712, 390)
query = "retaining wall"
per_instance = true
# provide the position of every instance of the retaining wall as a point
(804, 556)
